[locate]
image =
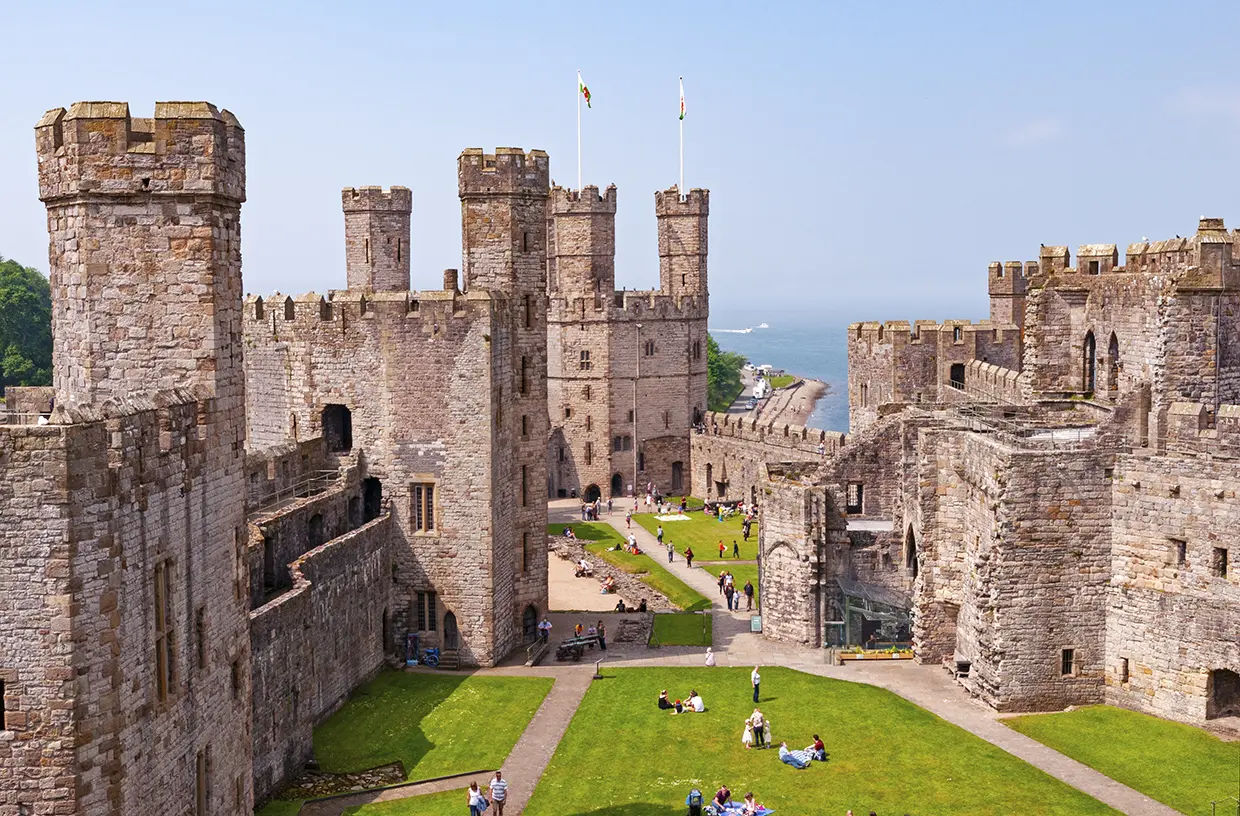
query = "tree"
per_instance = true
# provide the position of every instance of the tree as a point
(25, 326)
(723, 375)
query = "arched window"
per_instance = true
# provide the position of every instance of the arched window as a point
(1090, 360)
(910, 552)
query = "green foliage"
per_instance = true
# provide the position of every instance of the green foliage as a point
(435, 724)
(782, 380)
(682, 629)
(622, 756)
(282, 807)
(1177, 764)
(25, 326)
(723, 378)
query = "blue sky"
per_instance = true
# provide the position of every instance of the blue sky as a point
(865, 160)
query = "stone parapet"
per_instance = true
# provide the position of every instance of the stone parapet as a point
(507, 171)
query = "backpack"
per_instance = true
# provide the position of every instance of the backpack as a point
(695, 798)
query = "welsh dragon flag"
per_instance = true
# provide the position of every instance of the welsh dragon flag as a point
(682, 97)
(585, 92)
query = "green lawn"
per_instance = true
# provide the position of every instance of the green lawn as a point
(435, 724)
(682, 629)
(602, 537)
(281, 807)
(448, 803)
(782, 380)
(740, 574)
(622, 756)
(703, 533)
(1179, 765)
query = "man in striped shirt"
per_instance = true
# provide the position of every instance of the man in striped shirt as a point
(499, 792)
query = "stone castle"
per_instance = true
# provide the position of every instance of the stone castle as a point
(1041, 501)
(626, 369)
(229, 511)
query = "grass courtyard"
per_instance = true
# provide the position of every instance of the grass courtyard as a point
(703, 533)
(682, 629)
(621, 755)
(741, 573)
(1179, 765)
(600, 538)
(435, 724)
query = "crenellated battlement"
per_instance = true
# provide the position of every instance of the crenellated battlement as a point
(901, 332)
(366, 199)
(780, 434)
(97, 148)
(346, 307)
(507, 171)
(1010, 278)
(628, 306)
(586, 201)
(1205, 259)
(1193, 428)
(670, 202)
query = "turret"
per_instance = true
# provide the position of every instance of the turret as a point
(682, 240)
(581, 232)
(151, 300)
(1008, 283)
(376, 238)
(504, 219)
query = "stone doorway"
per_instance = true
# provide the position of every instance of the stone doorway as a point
(451, 635)
(529, 624)
(592, 493)
(617, 484)
(338, 428)
(372, 499)
(1224, 694)
(956, 376)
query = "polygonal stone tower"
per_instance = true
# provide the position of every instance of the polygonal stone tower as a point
(376, 238)
(682, 240)
(504, 246)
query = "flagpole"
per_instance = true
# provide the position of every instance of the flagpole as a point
(579, 131)
(682, 140)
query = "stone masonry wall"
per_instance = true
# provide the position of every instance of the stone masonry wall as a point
(1172, 621)
(315, 644)
(738, 448)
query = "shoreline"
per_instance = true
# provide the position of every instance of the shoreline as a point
(794, 404)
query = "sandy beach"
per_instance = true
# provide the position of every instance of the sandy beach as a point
(795, 403)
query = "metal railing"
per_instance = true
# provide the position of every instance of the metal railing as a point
(308, 485)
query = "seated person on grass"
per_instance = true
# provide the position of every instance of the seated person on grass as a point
(694, 704)
(723, 796)
(664, 703)
(694, 801)
(817, 750)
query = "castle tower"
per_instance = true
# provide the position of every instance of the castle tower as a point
(1007, 293)
(152, 301)
(376, 238)
(682, 240)
(145, 660)
(504, 250)
(581, 257)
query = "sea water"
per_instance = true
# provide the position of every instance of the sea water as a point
(804, 345)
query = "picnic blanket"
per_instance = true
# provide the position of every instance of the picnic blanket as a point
(734, 808)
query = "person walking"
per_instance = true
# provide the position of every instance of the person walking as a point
(728, 592)
(544, 629)
(755, 678)
(609, 505)
(736, 549)
(659, 533)
(689, 557)
(748, 596)
(602, 637)
(671, 549)
(499, 792)
(628, 520)
(476, 800)
(723, 580)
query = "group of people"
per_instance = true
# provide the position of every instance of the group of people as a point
(727, 588)
(815, 751)
(597, 631)
(722, 803)
(690, 705)
(498, 790)
(641, 606)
